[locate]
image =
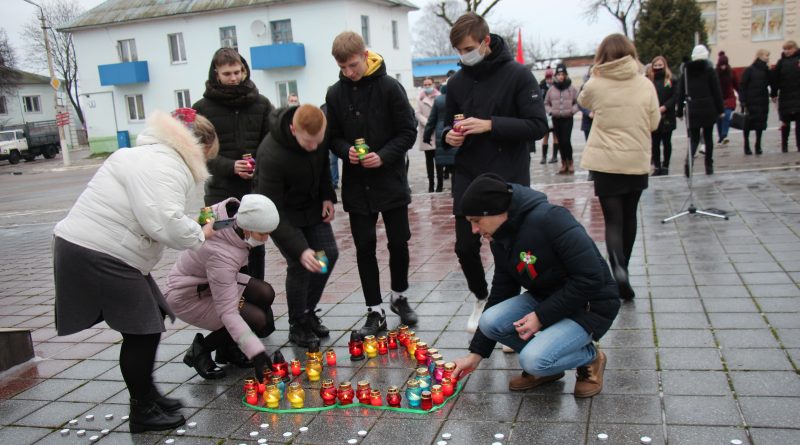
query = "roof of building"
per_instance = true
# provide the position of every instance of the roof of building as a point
(114, 12)
(433, 70)
(423, 60)
(18, 77)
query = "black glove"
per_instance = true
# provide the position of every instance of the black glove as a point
(428, 141)
(261, 362)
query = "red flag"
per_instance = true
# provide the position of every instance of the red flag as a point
(520, 57)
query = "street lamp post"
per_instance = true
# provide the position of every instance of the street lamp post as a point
(64, 149)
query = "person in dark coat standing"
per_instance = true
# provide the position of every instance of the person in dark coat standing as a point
(786, 91)
(368, 104)
(502, 105)
(661, 76)
(293, 171)
(754, 97)
(728, 85)
(704, 103)
(568, 296)
(445, 156)
(239, 113)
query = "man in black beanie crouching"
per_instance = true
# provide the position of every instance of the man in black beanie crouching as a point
(569, 297)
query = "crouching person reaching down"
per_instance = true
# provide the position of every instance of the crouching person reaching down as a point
(206, 289)
(568, 296)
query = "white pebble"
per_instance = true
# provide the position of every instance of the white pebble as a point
(169, 441)
(124, 417)
(499, 436)
(94, 438)
(362, 433)
(351, 441)
(736, 442)
(253, 433)
(192, 424)
(109, 416)
(105, 432)
(303, 429)
(180, 432)
(81, 433)
(65, 432)
(262, 440)
(73, 422)
(264, 426)
(441, 442)
(646, 439)
(602, 436)
(89, 417)
(287, 434)
(446, 436)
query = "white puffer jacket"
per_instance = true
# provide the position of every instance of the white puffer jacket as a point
(135, 203)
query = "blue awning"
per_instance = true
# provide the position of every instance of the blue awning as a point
(434, 70)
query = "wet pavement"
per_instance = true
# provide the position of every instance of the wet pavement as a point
(707, 353)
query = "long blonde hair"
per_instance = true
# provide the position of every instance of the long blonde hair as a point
(651, 73)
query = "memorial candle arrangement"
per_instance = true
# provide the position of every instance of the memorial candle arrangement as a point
(411, 346)
(437, 396)
(330, 357)
(392, 339)
(393, 397)
(402, 334)
(328, 392)
(314, 352)
(249, 383)
(272, 396)
(424, 378)
(383, 345)
(370, 346)
(363, 392)
(279, 383)
(296, 367)
(345, 393)
(429, 360)
(375, 398)
(313, 370)
(356, 346)
(421, 353)
(438, 371)
(449, 368)
(296, 395)
(426, 403)
(447, 387)
(279, 365)
(413, 393)
(251, 396)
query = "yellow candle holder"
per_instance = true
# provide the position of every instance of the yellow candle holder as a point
(296, 395)
(313, 370)
(370, 346)
(272, 396)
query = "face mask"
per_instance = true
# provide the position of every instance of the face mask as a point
(252, 242)
(428, 90)
(473, 57)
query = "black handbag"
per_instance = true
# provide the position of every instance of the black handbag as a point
(739, 120)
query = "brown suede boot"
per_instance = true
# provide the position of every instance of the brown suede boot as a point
(589, 378)
(563, 169)
(526, 381)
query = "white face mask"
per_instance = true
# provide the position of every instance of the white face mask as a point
(473, 57)
(252, 242)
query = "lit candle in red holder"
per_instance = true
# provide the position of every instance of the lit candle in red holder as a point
(438, 371)
(437, 396)
(251, 397)
(249, 383)
(383, 345)
(375, 397)
(447, 387)
(409, 336)
(330, 357)
(356, 346)
(426, 403)
(393, 397)
(328, 392)
(392, 339)
(345, 393)
(449, 367)
(363, 392)
(421, 353)
(279, 365)
(296, 367)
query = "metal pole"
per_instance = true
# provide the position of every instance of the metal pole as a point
(64, 149)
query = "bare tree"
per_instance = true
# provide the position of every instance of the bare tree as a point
(57, 13)
(444, 12)
(431, 37)
(8, 74)
(625, 11)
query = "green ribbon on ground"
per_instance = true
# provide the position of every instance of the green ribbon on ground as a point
(355, 404)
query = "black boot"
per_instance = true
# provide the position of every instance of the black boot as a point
(709, 167)
(199, 358)
(747, 146)
(230, 353)
(300, 333)
(430, 184)
(544, 154)
(664, 171)
(316, 325)
(439, 185)
(554, 159)
(149, 416)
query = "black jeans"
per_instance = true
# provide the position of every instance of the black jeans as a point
(787, 128)
(304, 288)
(659, 137)
(430, 166)
(562, 128)
(362, 227)
(708, 137)
(468, 251)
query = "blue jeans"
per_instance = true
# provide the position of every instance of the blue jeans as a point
(334, 168)
(557, 348)
(724, 124)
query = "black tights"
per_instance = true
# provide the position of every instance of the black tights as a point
(659, 137)
(619, 213)
(136, 359)
(786, 129)
(746, 134)
(256, 311)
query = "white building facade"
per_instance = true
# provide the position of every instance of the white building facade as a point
(132, 61)
(30, 98)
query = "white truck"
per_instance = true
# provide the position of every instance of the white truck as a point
(29, 141)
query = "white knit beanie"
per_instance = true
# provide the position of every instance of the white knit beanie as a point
(700, 52)
(257, 213)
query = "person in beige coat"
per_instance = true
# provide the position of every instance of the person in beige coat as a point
(625, 106)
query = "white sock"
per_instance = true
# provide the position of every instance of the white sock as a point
(377, 308)
(393, 296)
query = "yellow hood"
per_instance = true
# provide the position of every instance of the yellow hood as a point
(374, 62)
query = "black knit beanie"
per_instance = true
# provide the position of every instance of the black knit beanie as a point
(488, 194)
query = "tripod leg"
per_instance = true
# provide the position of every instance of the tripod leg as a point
(715, 215)
(684, 213)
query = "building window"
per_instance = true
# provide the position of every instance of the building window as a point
(766, 22)
(182, 98)
(395, 39)
(281, 31)
(227, 37)
(127, 50)
(365, 28)
(285, 88)
(32, 104)
(708, 11)
(177, 52)
(135, 107)
(3, 107)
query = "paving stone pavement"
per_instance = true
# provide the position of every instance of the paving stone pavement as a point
(707, 353)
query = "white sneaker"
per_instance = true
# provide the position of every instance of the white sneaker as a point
(474, 318)
(508, 349)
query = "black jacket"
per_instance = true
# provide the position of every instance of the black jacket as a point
(666, 98)
(704, 91)
(296, 180)
(754, 94)
(569, 278)
(786, 85)
(375, 108)
(500, 89)
(240, 117)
